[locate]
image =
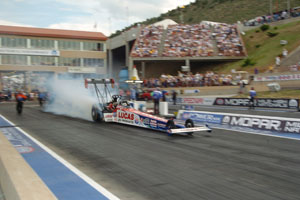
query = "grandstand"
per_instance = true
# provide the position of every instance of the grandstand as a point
(204, 42)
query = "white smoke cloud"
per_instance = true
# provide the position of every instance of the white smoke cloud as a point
(70, 98)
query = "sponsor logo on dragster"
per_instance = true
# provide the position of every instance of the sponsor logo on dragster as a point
(125, 117)
(146, 122)
(161, 125)
(269, 103)
(202, 117)
(136, 119)
(142, 114)
(153, 123)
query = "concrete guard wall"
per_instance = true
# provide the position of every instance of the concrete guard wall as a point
(17, 178)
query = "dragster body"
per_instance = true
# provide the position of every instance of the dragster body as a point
(119, 111)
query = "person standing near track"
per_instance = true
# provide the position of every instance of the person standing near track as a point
(157, 95)
(20, 98)
(252, 94)
(41, 98)
(174, 97)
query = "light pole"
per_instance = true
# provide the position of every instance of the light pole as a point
(289, 8)
(181, 14)
(271, 8)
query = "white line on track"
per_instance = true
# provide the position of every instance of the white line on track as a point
(255, 133)
(90, 181)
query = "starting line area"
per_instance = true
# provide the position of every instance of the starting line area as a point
(67, 182)
(64, 180)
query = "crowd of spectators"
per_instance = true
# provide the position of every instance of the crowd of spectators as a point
(228, 40)
(182, 40)
(188, 40)
(7, 95)
(281, 15)
(191, 80)
(148, 42)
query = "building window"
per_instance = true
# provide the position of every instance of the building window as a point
(14, 60)
(41, 44)
(42, 60)
(68, 45)
(13, 42)
(92, 46)
(93, 62)
(69, 61)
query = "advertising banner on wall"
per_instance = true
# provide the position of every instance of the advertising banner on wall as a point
(194, 100)
(263, 123)
(259, 102)
(286, 127)
(34, 52)
(287, 77)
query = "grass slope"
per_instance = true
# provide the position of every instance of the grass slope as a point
(263, 49)
(228, 11)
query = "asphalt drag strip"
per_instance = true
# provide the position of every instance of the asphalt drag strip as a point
(135, 163)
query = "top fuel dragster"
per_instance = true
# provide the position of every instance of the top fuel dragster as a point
(118, 110)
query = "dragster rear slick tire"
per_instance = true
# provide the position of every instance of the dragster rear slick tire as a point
(96, 116)
(170, 125)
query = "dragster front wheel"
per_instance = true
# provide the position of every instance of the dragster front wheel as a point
(96, 116)
(189, 124)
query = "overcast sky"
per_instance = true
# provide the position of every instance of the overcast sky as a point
(109, 15)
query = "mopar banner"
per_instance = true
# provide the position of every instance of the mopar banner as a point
(284, 127)
(259, 102)
(269, 124)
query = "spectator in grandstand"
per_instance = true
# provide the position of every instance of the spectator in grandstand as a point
(281, 15)
(190, 80)
(188, 40)
(228, 40)
(148, 42)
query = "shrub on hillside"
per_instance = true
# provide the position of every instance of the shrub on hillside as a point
(272, 34)
(264, 27)
(248, 62)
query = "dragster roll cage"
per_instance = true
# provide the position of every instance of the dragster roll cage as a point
(104, 94)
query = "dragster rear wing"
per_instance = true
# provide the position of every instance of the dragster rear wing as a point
(189, 130)
(133, 81)
(99, 81)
